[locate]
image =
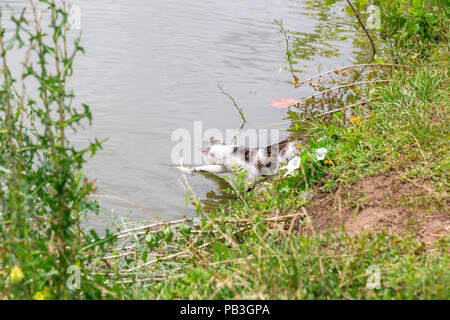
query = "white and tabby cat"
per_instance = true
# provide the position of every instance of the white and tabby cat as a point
(258, 162)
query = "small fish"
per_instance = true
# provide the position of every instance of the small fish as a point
(283, 103)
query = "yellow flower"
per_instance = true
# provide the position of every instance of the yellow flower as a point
(16, 275)
(355, 120)
(329, 162)
(39, 296)
(42, 295)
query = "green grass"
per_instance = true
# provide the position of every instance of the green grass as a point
(406, 129)
(270, 264)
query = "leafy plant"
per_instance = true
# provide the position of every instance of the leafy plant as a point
(42, 188)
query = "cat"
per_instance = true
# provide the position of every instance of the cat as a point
(257, 162)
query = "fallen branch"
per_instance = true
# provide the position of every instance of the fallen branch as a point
(239, 109)
(374, 51)
(341, 109)
(125, 233)
(170, 256)
(288, 51)
(297, 105)
(157, 224)
(338, 70)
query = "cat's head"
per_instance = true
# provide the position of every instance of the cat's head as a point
(217, 152)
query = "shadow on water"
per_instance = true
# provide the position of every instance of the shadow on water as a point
(219, 195)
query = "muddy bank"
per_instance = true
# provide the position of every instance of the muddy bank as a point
(383, 203)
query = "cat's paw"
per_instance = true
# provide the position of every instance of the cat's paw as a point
(187, 170)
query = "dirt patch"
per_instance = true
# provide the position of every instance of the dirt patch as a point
(383, 203)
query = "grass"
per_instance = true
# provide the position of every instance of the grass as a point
(405, 129)
(274, 265)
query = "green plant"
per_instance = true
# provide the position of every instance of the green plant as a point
(411, 26)
(42, 187)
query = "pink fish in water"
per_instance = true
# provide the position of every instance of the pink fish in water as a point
(283, 103)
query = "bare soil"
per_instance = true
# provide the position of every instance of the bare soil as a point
(383, 203)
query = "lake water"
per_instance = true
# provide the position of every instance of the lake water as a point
(152, 66)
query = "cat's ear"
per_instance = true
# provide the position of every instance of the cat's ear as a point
(212, 140)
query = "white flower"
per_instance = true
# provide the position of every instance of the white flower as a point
(293, 164)
(321, 154)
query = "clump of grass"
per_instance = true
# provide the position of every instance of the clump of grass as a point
(273, 264)
(406, 129)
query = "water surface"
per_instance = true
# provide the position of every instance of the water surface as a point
(152, 66)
